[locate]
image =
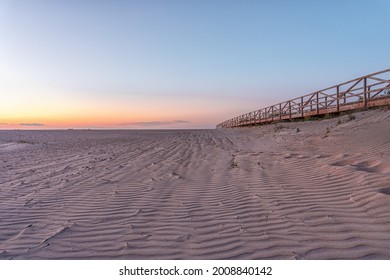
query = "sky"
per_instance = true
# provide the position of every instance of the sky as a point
(177, 64)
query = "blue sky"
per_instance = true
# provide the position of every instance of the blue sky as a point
(156, 62)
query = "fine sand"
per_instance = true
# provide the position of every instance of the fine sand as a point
(303, 190)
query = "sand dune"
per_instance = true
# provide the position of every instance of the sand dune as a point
(304, 190)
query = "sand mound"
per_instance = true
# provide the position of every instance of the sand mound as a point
(308, 190)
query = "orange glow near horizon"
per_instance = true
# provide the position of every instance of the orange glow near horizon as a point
(54, 109)
(33, 107)
(119, 116)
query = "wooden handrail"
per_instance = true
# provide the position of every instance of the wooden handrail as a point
(357, 95)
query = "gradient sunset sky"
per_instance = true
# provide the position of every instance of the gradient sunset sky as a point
(177, 64)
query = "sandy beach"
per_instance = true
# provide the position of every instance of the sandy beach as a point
(299, 190)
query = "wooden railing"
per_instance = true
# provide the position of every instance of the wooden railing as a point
(368, 91)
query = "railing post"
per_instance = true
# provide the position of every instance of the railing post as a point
(289, 109)
(302, 106)
(365, 92)
(262, 115)
(345, 98)
(272, 112)
(338, 98)
(369, 92)
(318, 108)
(280, 111)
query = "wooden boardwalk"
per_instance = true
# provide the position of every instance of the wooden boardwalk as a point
(372, 90)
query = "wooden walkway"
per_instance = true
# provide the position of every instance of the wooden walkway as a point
(368, 91)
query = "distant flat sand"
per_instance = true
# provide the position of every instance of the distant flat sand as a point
(304, 190)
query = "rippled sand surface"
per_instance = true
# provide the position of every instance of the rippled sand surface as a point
(307, 190)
